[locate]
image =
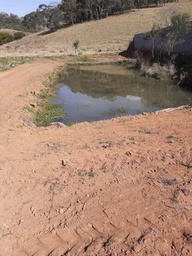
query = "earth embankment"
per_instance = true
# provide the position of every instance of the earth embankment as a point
(114, 187)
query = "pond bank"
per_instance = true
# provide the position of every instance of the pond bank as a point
(104, 91)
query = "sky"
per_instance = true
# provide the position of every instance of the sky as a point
(22, 7)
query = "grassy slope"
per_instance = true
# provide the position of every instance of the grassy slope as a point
(108, 35)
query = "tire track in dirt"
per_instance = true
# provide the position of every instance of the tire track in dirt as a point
(115, 187)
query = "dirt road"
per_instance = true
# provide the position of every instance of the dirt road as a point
(116, 187)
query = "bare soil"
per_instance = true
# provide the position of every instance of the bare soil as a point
(115, 187)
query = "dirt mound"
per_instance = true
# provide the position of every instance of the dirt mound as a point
(115, 187)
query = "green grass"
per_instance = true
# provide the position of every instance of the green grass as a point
(29, 109)
(79, 58)
(9, 62)
(59, 73)
(48, 112)
(91, 58)
(43, 95)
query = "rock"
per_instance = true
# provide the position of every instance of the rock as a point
(61, 211)
(185, 191)
(35, 93)
(63, 162)
(58, 124)
(33, 105)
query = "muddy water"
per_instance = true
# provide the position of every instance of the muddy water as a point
(97, 92)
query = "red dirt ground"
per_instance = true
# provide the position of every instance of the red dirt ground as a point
(115, 187)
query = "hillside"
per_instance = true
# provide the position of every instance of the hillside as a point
(10, 31)
(111, 34)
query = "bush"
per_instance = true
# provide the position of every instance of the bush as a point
(76, 44)
(160, 72)
(18, 35)
(5, 38)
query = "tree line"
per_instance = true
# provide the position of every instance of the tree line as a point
(85, 10)
(11, 21)
(67, 12)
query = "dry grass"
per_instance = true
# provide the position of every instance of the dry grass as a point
(104, 36)
(10, 31)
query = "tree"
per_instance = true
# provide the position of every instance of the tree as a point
(10, 21)
(34, 21)
(57, 18)
(69, 8)
(76, 46)
(83, 10)
(174, 35)
(153, 37)
(53, 16)
(127, 4)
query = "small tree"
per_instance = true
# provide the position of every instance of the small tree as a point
(174, 35)
(76, 46)
(152, 36)
(69, 7)
(34, 21)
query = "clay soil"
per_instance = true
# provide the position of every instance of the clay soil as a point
(114, 187)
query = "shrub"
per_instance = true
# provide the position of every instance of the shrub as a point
(5, 38)
(18, 35)
(76, 46)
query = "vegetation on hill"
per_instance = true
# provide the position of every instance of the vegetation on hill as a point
(162, 56)
(10, 21)
(6, 37)
(100, 36)
(174, 34)
(68, 12)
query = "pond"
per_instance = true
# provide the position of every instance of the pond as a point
(98, 92)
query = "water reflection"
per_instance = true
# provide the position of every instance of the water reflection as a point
(97, 92)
